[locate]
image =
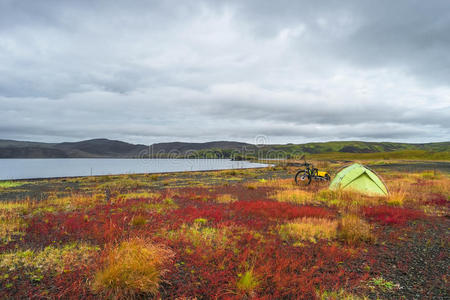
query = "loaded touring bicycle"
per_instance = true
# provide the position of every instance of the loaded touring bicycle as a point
(309, 173)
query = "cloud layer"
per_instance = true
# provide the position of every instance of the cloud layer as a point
(294, 71)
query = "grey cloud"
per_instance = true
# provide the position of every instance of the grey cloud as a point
(150, 71)
(412, 35)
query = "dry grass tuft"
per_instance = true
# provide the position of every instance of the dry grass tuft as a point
(12, 227)
(138, 221)
(308, 229)
(248, 282)
(12, 222)
(19, 207)
(134, 268)
(201, 235)
(71, 202)
(297, 196)
(272, 183)
(353, 230)
(139, 195)
(396, 198)
(226, 198)
(338, 295)
(347, 200)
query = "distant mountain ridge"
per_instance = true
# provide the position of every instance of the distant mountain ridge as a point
(105, 148)
(95, 148)
(185, 148)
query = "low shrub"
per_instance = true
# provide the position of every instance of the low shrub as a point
(391, 215)
(308, 229)
(251, 186)
(230, 173)
(133, 268)
(438, 200)
(354, 230)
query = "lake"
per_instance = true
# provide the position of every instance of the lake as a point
(69, 167)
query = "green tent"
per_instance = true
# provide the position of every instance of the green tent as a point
(360, 179)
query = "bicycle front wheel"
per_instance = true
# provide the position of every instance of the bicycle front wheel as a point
(302, 178)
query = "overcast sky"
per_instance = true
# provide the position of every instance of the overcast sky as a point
(266, 71)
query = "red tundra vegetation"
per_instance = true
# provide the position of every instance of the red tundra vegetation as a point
(254, 238)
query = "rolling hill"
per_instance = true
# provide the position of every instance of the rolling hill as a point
(104, 148)
(85, 149)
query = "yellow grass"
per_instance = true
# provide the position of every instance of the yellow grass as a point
(308, 229)
(161, 207)
(350, 229)
(297, 196)
(201, 235)
(141, 195)
(346, 201)
(12, 227)
(18, 207)
(133, 268)
(430, 174)
(12, 223)
(226, 198)
(72, 202)
(272, 183)
(138, 221)
(441, 186)
(354, 230)
(396, 198)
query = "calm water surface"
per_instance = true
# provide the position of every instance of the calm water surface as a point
(66, 167)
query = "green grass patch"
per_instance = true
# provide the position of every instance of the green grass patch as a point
(51, 260)
(11, 184)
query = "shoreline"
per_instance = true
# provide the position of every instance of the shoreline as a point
(404, 166)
